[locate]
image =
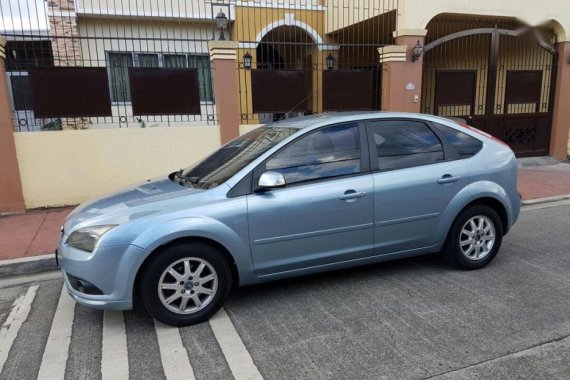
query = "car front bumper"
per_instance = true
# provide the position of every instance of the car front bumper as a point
(109, 270)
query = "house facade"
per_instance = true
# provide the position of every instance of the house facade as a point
(141, 65)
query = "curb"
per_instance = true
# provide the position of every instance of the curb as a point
(537, 201)
(27, 266)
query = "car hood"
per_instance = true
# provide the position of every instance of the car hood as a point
(148, 198)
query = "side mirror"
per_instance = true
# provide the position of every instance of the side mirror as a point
(271, 180)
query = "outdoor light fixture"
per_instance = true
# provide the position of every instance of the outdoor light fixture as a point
(247, 60)
(330, 61)
(417, 51)
(221, 24)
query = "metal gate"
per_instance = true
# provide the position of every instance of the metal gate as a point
(499, 77)
(310, 58)
(102, 64)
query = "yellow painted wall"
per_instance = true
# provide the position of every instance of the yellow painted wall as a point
(250, 22)
(68, 167)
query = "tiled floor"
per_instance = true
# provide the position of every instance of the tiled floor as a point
(30, 234)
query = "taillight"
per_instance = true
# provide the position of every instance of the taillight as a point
(484, 134)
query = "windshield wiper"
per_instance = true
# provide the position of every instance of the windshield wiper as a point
(183, 180)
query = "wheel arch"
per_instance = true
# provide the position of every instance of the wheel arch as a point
(493, 203)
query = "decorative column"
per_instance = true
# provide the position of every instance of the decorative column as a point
(65, 35)
(224, 73)
(560, 139)
(402, 78)
(11, 196)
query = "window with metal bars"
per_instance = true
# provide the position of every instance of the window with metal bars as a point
(119, 63)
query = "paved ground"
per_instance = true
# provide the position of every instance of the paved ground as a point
(410, 319)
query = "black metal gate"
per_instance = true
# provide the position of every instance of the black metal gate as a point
(296, 60)
(102, 64)
(499, 77)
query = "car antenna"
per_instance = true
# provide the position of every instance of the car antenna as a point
(295, 106)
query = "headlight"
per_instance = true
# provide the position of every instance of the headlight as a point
(86, 238)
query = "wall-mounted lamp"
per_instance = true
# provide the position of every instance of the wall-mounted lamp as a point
(221, 24)
(417, 51)
(330, 61)
(247, 61)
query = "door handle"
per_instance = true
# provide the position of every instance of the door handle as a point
(351, 195)
(448, 178)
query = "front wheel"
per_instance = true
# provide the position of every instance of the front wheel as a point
(185, 284)
(475, 237)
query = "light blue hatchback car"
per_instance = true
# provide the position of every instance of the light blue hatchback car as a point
(299, 196)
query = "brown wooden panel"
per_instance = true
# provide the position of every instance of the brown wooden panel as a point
(345, 90)
(70, 92)
(523, 86)
(279, 90)
(158, 91)
(455, 87)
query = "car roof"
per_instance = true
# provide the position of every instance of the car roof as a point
(302, 122)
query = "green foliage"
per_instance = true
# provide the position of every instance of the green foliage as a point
(55, 125)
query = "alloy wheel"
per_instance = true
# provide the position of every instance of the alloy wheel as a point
(477, 238)
(188, 285)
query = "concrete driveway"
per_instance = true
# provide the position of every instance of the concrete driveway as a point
(410, 319)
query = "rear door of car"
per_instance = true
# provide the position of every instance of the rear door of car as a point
(416, 174)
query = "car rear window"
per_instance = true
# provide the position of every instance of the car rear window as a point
(404, 144)
(465, 145)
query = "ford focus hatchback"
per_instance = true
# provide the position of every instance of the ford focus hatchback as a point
(295, 197)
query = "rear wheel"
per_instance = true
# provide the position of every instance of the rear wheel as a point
(475, 237)
(185, 284)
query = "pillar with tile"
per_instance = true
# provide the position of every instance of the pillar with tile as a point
(401, 75)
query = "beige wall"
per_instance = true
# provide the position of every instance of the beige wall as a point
(68, 167)
(244, 128)
(416, 14)
(194, 9)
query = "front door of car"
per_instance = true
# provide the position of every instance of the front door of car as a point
(324, 214)
(416, 176)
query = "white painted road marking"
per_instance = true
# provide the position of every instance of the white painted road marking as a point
(239, 360)
(56, 350)
(114, 359)
(20, 310)
(173, 355)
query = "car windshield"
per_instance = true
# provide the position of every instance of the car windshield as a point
(234, 156)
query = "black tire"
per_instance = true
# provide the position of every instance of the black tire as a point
(149, 283)
(452, 249)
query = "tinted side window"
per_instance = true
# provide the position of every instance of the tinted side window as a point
(404, 144)
(331, 152)
(465, 145)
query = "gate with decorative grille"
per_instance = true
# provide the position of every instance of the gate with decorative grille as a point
(498, 75)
